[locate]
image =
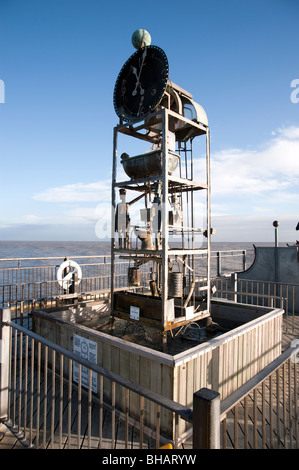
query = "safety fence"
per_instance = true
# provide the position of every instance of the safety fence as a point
(46, 407)
(29, 270)
(26, 282)
(262, 293)
(263, 413)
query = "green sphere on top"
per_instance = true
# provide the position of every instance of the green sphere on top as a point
(141, 38)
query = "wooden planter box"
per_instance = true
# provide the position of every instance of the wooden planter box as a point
(222, 364)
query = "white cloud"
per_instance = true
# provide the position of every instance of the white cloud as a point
(251, 188)
(291, 132)
(270, 170)
(30, 218)
(77, 192)
(83, 213)
(253, 228)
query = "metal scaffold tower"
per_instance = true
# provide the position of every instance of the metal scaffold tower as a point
(160, 207)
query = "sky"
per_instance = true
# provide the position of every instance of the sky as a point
(59, 60)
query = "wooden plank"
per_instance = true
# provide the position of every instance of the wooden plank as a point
(214, 373)
(196, 373)
(224, 359)
(145, 380)
(155, 386)
(182, 377)
(240, 361)
(251, 357)
(115, 367)
(190, 387)
(149, 307)
(233, 368)
(134, 361)
(169, 389)
(124, 370)
(106, 361)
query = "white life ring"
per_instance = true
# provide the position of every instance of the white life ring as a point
(64, 281)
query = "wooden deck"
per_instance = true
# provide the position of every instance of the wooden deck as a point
(290, 330)
(53, 436)
(9, 439)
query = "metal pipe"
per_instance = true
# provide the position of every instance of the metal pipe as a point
(164, 216)
(5, 336)
(208, 220)
(190, 294)
(276, 225)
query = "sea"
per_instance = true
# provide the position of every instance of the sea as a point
(42, 249)
(71, 249)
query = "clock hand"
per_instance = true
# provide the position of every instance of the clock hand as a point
(134, 70)
(140, 106)
(134, 92)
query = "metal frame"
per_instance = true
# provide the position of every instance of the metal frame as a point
(170, 185)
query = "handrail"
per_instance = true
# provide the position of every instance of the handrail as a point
(183, 411)
(229, 402)
(100, 256)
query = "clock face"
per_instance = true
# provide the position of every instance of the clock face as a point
(141, 83)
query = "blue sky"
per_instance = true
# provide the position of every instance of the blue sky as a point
(59, 60)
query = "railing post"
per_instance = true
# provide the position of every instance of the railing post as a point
(234, 286)
(219, 267)
(206, 419)
(5, 316)
(244, 260)
(75, 284)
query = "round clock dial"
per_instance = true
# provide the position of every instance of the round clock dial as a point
(141, 83)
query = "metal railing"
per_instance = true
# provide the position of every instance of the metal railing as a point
(26, 282)
(262, 293)
(21, 286)
(263, 413)
(46, 409)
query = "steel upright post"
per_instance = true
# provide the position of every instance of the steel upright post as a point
(164, 214)
(113, 211)
(208, 222)
(276, 270)
(5, 317)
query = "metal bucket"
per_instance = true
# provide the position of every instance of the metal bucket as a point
(134, 276)
(148, 164)
(175, 284)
